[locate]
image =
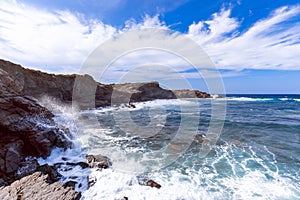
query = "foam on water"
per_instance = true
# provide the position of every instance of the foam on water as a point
(230, 171)
(206, 182)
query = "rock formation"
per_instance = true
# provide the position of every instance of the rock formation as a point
(26, 128)
(84, 90)
(37, 186)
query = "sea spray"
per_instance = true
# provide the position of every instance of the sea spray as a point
(250, 161)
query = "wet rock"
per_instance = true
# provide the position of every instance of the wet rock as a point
(83, 165)
(91, 181)
(27, 167)
(53, 175)
(200, 138)
(26, 128)
(123, 198)
(149, 182)
(70, 184)
(99, 161)
(152, 183)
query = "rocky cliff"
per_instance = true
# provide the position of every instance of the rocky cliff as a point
(38, 84)
(26, 128)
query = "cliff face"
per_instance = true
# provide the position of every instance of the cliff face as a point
(26, 128)
(37, 84)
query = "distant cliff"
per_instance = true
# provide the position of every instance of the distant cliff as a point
(38, 84)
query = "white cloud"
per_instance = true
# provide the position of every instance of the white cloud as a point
(272, 43)
(52, 41)
(60, 41)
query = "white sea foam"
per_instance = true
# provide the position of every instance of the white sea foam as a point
(297, 100)
(190, 185)
(284, 99)
(196, 179)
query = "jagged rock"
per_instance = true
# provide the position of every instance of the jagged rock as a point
(99, 161)
(53, 175)
(36, 187)
(26, 128)
(70, 184)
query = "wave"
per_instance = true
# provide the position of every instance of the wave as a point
(229, 172)
(247, 99)
(224, 177)
(141, 105)
(258, 99)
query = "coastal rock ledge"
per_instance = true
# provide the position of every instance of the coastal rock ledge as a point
(28, 130)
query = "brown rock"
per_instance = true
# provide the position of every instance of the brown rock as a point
(36, 187)
(26, 128)
(84, 90)
(53, 175)
(152, 183)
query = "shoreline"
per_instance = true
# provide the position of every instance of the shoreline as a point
(28, 129)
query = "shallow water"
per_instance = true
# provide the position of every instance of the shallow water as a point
(256, 156)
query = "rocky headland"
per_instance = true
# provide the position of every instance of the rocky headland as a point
(28, 130)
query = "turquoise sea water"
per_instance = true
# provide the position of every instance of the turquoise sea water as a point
(256, 157)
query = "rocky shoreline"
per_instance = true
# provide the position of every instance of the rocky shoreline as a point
(28, 130)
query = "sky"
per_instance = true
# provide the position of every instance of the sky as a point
(254, 45)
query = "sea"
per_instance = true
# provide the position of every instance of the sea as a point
(255, 154)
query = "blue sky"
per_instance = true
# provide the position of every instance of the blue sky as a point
(254, 44)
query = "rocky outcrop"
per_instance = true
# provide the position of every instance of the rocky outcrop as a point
(26, 128)
(37, 186)
(84, 90)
